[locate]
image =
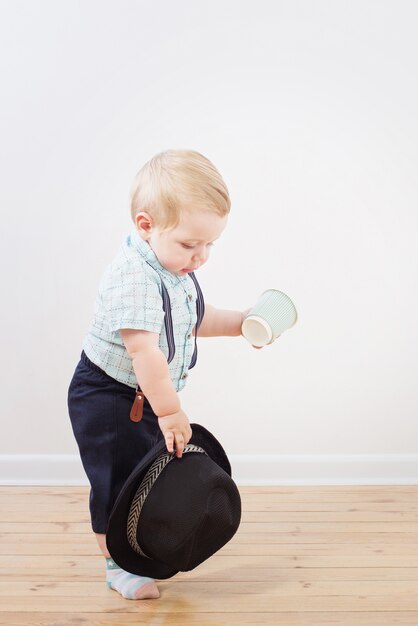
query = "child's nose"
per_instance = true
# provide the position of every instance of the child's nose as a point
(200, 257)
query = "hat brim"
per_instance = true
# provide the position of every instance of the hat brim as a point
(116, 538)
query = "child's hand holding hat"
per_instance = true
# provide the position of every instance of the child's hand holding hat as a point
(176, 430)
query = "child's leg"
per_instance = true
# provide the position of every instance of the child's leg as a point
(101, 540)
(95, 400)
(128, 585)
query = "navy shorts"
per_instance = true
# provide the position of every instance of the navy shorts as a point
(110, 444)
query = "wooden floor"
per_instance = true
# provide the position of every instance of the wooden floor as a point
(306, 556)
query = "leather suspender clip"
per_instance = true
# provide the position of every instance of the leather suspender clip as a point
(138, 406)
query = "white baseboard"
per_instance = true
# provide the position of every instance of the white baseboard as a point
(307, 469)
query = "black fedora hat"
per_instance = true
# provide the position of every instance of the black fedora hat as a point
(172, 513)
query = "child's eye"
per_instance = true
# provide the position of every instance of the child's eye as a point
(185, 245)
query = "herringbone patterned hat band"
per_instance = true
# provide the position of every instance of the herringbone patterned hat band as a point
(144, 489)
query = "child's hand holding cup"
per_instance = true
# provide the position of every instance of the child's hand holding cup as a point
(273, 313)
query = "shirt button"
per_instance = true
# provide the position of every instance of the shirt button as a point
(184, 376)
(189, 295)
(189, 336)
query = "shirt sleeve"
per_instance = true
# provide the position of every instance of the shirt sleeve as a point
(132, 299)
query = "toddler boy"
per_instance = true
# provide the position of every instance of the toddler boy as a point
(148, 312)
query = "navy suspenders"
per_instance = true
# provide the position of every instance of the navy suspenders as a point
(168, 322)
(200, 310)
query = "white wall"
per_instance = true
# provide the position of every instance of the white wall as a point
(309, 111)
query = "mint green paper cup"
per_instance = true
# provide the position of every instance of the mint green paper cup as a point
(273, 313)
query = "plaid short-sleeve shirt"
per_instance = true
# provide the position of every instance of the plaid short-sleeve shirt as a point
(130, 296)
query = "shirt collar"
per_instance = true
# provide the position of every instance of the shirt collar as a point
(150, 257)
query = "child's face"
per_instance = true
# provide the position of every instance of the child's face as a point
(186, 247)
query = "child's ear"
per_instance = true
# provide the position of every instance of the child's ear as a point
(144, 224)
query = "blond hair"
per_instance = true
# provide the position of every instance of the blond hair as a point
(175, 180)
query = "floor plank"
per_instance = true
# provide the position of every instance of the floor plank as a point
(318, 618)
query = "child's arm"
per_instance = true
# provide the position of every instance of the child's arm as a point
(152, 373)
(221, 323)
